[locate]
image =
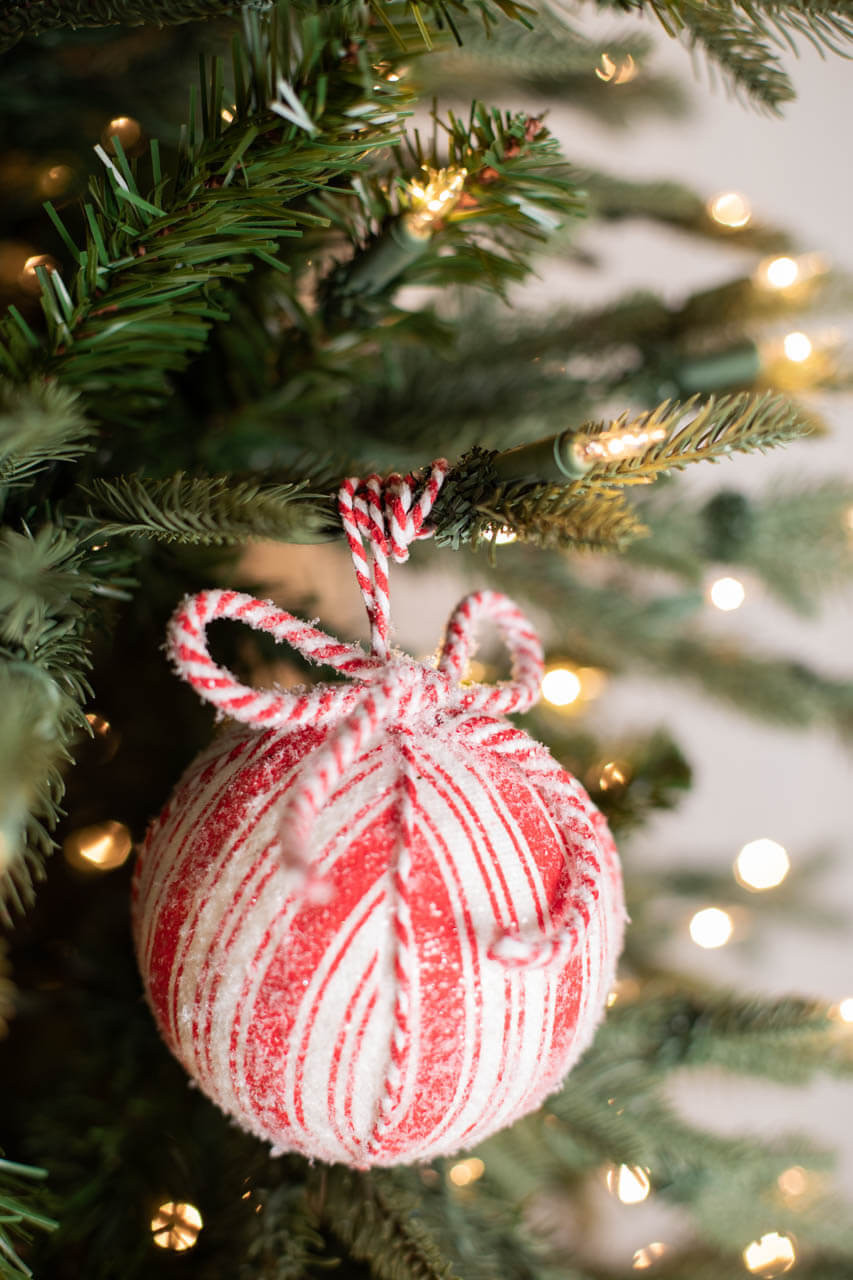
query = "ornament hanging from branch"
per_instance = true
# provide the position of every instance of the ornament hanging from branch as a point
(376, 922)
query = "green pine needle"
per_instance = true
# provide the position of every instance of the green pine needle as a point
(694, 431)
(210, 510)
(40, 424)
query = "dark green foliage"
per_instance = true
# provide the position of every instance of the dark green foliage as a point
(33, 17)
(226, 337)
(214, 511)
(743, 38)
(21, 1215)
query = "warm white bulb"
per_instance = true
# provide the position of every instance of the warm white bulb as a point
(466, 1171)
(797, 347)
(770, 1256)
(176, 1226)
(762, 864)
(560, 687)
(727, 594)
(648, 1255)
(502, 536)
(711, 927)
(629, 1183)
(730, 209)
(845, 1009)
(781, 273)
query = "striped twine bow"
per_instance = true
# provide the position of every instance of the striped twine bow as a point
(386, 689)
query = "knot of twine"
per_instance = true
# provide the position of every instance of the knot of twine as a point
(385, 689)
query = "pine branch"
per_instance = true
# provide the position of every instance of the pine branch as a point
(740, 34)
(212, 511)
(615, 197)
(27, 18)
(139, 303)
(518, 189)
(555, 516)
(610, 627)
(795, 538)
(21, 1213)
(731, 424)
(378, 1225)
(40, 425)
(43, 662)
(552, 58)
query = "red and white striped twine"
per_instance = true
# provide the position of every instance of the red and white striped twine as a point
(388, 514)
(389, 690)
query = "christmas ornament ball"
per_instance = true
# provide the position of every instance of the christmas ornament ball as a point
(342, 1026)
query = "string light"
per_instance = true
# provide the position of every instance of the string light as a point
(616, 445)
(100, 847)
(625, 989)
(465, 1172)
(28, 279)
(711, 927)
(729, 209)
(126, 129)
(503, 535)
(55, 179)
(793, 1182)
(561, 686)
(613, 776)
(797, 347)
(629, 1183)
(648, 1255)
(434, 199)
(727, 594)
(843, 1011)
(176, 1226)
(787, 273)
(761, 864)
(771, 1255)
(228, 114)
(796, 361)
(616, 73)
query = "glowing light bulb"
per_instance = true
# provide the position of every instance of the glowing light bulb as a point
(466, 1171)
(797, 347)
(629, 1183)
(727, 594)
(613, 776)
(616, 445)
(55, 179)
(781, 273)
(793, 1182)
(176, 1226)
(711, 927)
(126, 129)
(616, 73)
(100, 847)
(28, 279)
(648, 1256)
(761, 864)
(502, 535)
(228, 113)
(785, 272)
(844, 1010)
(729, 209)
(771, 1255)
(434, 199)
(560, 686)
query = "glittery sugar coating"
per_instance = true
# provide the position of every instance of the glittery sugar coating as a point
(332, 1025)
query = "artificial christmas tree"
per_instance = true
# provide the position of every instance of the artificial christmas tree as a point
(214, 318)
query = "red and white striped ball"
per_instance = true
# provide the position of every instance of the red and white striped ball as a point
(285, 1010)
